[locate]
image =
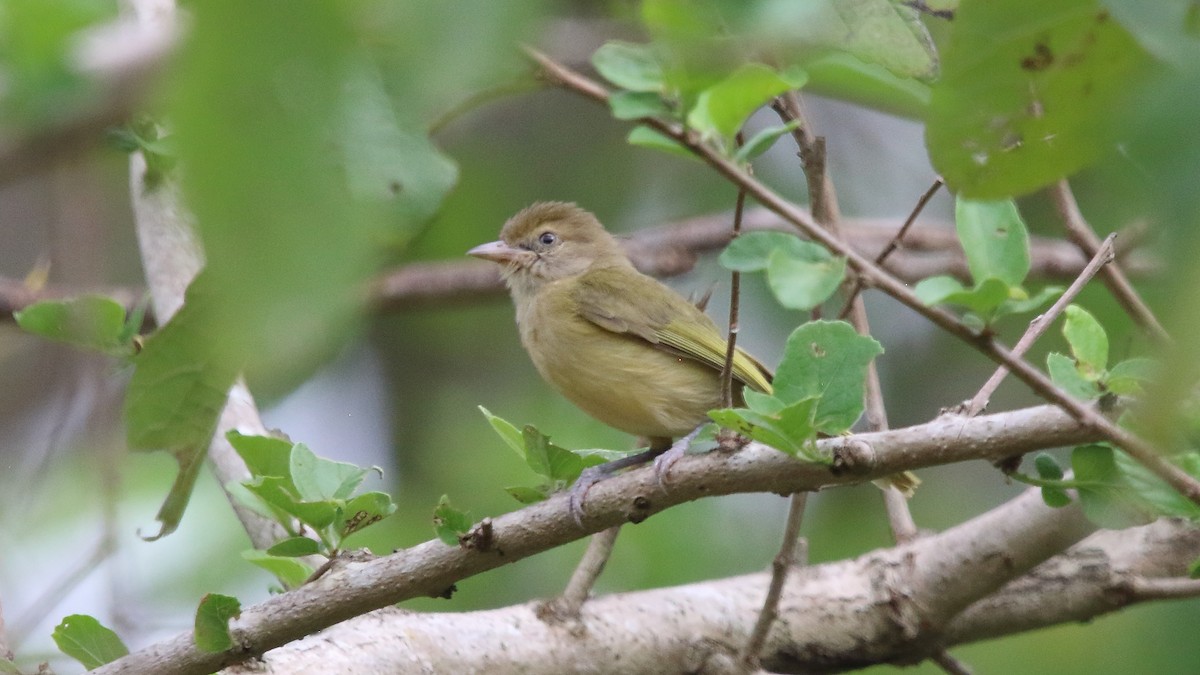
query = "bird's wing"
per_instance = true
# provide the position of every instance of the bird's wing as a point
(618, 300)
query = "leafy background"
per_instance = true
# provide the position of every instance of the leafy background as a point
(400, 388)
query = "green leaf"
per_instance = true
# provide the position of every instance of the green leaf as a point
(1029, 304)
(450, 524)
(295, 547)
(804, 282)
(826, 359)
(934, 290)
(175, 397)
(317, 478)
(7, 667)
(763, 140)
(632, 105)
(994, 238)
(291, 573)
(91, 322)
(763, 404)
(845, 76)
(508, 433)
(1089, 342)
(250, 500)
(791, 430)
(276, 492)
(721, 109)
(1026, 94)
(263, 455)
(365, 510)
(1055, 497)
(528, 495)
(1047, 467)
(629, 66)
(1150, 490)
(212, 622)
(649, 138)
(549, 460)
(86, 640)
(1167, 30)
(1104, 496)
(1126, 378)
(751, 251)
(1066, 375)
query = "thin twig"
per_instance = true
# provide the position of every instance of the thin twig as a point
(1042, 323)
(735, 288)
(1082, 234)
(950, 664)
(1137, 448)
(583, 579)
(894, 243)
(1164, 589)
(784, 560)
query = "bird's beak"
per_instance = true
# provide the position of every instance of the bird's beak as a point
(497, 251)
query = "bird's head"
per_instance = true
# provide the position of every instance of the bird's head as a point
(549, 241)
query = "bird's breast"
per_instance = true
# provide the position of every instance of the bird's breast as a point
(618, 378)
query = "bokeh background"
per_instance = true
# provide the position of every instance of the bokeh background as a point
(402, 393)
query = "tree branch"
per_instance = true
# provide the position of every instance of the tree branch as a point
(429, 569)
(835, 616)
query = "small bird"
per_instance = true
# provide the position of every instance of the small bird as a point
(625, 348)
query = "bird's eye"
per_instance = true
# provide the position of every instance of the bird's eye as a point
(547, 238)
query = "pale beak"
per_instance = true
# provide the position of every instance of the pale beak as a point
(497, 251)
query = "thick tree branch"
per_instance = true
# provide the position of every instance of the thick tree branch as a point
(835, 616)
(429, 569)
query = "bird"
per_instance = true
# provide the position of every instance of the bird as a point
(622, 346)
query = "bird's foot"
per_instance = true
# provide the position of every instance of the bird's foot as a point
(666, 460)
(594, 474)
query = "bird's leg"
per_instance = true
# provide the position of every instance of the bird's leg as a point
(595, 474)
(664, 461)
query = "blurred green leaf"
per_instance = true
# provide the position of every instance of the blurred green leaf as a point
(449, 524)
(1033, 303)
(7, 667)
(721, 109)
(1106, 498)
(528, 495)
(1128, 376)
(317, 478)
(1155, 493)
(1047, 467)
(629, 66)
(91, 322)
(1065, 374)
(37, 38)
(751, 251)
(984, 300)
(826, 359)
(1168, 29)
(1089, 342)
(291, 573)
(632, 105)
(295, 547)
(263, 455)
(1055, 497)
(86, 640)
(844, 76)
(649, 138)
(804, 283)
(763, 140)
(763, 404)
(1026, 94)
(212, 622)
(994, 238)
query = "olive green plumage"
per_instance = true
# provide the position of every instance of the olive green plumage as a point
(622, 346)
